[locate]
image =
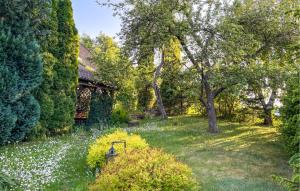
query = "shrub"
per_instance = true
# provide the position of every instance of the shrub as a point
(290, 116)
(119, 116)
(145, 169)
(292, 184)
(290, 131)
(101, 108)
(97, 151)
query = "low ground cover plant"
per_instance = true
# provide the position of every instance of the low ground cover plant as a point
(145, 169)
(292, 184)
(97, 151)
(6, 182)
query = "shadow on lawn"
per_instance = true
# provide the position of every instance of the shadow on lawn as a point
(240, 157)
(230, 184)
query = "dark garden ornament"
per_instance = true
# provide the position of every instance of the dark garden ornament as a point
(112, 151)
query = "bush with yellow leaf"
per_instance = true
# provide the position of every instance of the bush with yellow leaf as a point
(97, 151)
(145, 169)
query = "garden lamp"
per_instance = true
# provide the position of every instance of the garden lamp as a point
(112, 151)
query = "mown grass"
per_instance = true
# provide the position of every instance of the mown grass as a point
(77, 175)
(239, 158)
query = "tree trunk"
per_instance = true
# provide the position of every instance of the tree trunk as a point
(268, 117)
(160, 104)
(211, 114)
(205, 86)
(208, 103)
(268, 107)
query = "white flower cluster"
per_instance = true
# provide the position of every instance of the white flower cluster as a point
(151, 126)
(33, 166)
(36, 165)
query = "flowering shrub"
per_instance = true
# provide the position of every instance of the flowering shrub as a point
(145, 169)
(97, 151)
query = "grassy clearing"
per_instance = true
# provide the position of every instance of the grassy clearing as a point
(240, 158)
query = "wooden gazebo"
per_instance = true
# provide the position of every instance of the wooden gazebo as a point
(88, 85)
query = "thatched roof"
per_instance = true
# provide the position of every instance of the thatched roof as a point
(87, 69)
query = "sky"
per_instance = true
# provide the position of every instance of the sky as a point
(91, 18)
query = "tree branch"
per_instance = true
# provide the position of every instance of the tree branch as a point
(271, 100)
(218, 91)
(261, 98)
(202, 101)
(188, 53)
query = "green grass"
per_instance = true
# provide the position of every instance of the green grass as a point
(77, 175)
(240, 158)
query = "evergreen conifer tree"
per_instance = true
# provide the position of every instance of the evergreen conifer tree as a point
(20, 71)
(65, 76)
(48, 43)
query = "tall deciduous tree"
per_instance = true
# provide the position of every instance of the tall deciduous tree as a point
(150, 44)
(143, 83)
(20, 71)
(144, 76)
(197, 29)
(265, 84)
(216, 45)
(156, 88)
(273, 31)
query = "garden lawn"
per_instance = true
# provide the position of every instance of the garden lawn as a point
(240, 158)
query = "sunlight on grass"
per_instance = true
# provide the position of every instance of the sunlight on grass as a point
(241, 157)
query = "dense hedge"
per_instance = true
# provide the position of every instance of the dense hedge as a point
(145, 169)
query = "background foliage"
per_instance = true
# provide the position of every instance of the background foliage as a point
(100, 107)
